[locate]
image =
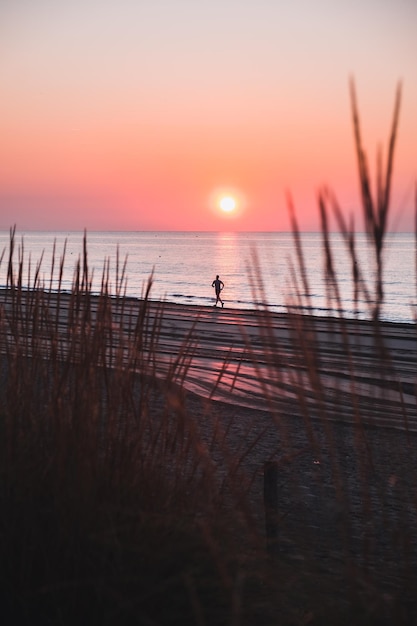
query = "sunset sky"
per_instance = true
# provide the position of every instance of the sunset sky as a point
(144, 114)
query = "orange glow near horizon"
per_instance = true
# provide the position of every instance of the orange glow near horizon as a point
(137, 122)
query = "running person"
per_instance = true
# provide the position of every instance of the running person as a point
(218, 286)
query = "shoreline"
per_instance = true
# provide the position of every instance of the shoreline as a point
(332, 316)
(259, 359)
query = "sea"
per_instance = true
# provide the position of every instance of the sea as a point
(259, 270)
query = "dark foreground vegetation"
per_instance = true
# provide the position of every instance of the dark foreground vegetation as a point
(119, 505)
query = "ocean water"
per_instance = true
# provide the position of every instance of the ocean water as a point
(258, 269)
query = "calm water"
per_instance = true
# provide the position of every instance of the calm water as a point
(185, 264)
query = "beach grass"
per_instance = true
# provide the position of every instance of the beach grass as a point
(127, 499)
(108, 491)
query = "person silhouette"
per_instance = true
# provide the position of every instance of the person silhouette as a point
(218, 286)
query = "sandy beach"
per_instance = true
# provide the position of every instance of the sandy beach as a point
(257, 359)
(331, 402)
(262, 360)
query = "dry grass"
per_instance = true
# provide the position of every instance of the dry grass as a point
(109, 496)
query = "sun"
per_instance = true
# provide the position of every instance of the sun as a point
(227, 204)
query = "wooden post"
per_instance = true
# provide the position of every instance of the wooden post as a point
(271, 506)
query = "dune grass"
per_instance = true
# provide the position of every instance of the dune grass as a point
(114, 508)
(108, 493)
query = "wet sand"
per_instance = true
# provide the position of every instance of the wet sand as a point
(349, 368)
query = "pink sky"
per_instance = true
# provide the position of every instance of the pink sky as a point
(133, 115)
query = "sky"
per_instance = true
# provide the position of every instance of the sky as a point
(145, 114)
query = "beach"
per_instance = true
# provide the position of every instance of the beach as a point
(164, 460)
(344, 444)
(330, 402)
(259, 359)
